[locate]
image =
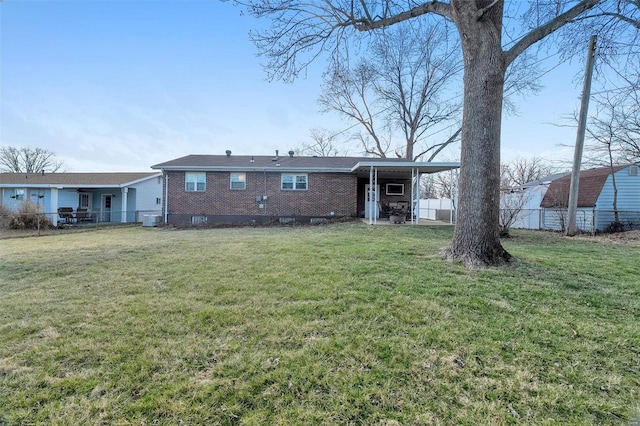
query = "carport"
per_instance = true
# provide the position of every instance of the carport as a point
(377, 171)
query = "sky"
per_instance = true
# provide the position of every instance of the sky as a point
(125, 84)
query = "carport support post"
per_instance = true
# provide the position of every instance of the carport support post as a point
(415, 195)
(370, 196)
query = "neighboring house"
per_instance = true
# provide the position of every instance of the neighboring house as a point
(527, 198)
(256, 189)
(595, 199)
(102, 197)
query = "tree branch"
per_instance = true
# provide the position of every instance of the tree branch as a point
(439, 146)
(542, 31)
(480, 13)
(435, 6)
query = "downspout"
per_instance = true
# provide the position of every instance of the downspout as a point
(166, 197)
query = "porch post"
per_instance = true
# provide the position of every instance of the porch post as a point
(370, 196)
(123, 217)
(415, 195)
(375, 196)
(54, 206)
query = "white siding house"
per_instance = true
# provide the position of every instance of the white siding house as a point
(527, 198)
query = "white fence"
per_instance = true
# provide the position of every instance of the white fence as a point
(437, 209)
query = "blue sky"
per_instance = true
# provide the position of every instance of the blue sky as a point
(123, 85)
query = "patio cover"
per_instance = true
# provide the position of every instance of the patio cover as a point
(391, 169)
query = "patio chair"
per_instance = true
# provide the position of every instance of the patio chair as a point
(83, 215)
(66, 214)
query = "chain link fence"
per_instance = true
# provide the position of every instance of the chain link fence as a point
(32, 221)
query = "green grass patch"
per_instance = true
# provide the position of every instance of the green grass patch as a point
(340, 324)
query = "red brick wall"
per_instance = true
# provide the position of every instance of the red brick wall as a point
(326, 193)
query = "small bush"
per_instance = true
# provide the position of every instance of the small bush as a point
(29, 216)
(615, 227)
(5, 218)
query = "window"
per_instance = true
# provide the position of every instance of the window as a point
(84, 200)
(238, 181)
(195, 182)
(295, 182)
(395, 189)
(198, 219)
(633, 170)
(19, 194)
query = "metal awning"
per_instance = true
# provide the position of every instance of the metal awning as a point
(401, 168)
(393, 169)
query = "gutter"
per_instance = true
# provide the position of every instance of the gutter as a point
(275, 169)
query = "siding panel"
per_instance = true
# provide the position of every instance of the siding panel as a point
(628, 200)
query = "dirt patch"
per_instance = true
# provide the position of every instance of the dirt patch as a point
(627, 237)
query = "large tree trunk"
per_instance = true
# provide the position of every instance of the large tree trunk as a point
(476, 239)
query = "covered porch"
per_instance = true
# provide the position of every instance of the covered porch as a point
(389, 192)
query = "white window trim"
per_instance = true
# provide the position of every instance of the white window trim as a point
(243, 181)
(395, 193)
(89, 200)
(198, 219)
(21, 196)
(195, 182)
(294, 175)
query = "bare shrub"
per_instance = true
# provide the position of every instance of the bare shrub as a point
(510, 207)
(5, 217)
(29, 216)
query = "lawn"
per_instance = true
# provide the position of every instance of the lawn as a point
(341, 324)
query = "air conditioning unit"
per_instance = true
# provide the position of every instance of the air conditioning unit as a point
(150, 220)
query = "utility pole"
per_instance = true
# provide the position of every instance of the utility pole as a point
(577, 155)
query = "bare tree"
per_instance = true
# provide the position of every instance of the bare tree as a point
(611, 132)
(445, 184)
(429, 187)
(301, 31)
(323, 144)
(524, 170)
(28, 160)
(560, 201)
(346, 91)
(614, 129)
(511, 205)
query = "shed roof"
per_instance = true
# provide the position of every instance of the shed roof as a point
(74, 179)
(590, 186)
(546, 180)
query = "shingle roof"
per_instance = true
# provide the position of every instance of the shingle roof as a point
(74, 179)
(589, 188)
(213, 162)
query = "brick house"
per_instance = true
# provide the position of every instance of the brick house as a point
(257, 189)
